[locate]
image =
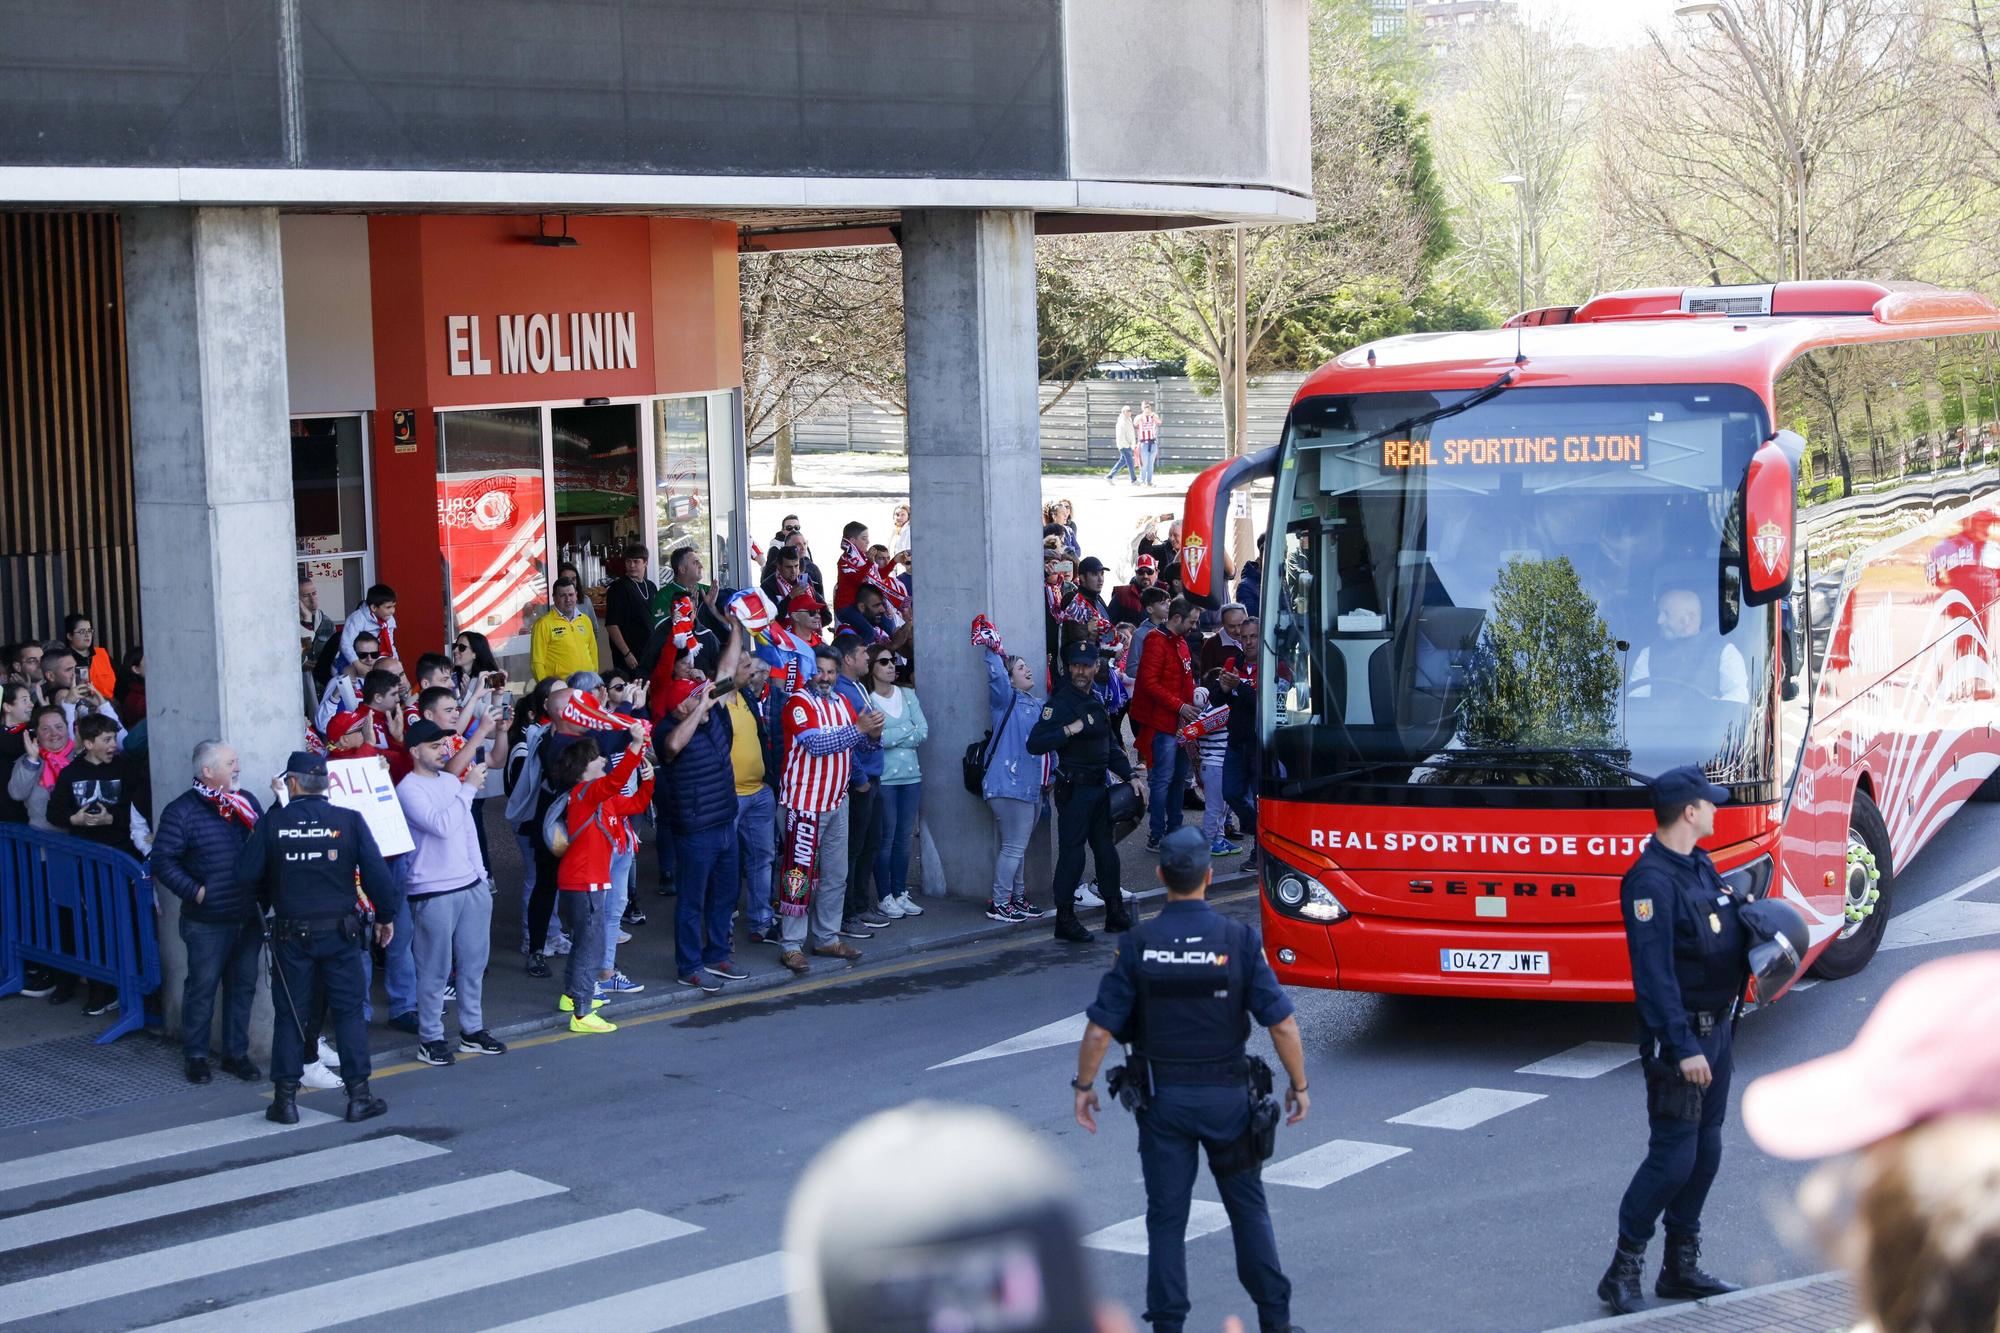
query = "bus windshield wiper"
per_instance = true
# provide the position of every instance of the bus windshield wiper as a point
(1307, 786)
(1487, 394)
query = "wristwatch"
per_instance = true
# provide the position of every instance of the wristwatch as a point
(1083, 1087)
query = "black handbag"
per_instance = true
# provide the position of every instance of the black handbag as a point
(979, 756)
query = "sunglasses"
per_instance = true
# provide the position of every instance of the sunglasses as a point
(367, 657)
(461, 647)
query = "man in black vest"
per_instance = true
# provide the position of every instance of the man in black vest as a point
(1183, 990)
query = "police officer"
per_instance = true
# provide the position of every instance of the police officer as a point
(1076, 727)
(1183, 990)
(303, 859)
(1687, 945)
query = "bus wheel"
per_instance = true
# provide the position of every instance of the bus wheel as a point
(1869, 876)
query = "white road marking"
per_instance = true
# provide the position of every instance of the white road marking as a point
(670, 1304)
(1463, 1110)
(390, 1289)
(358, 1223)
(1587, 1060)
(1062, 1032)
(1942, 922)
(1316, 1168)
(180, 1196)
(137, 1148)
(1129, 1236)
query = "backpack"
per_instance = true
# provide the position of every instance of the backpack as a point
(524, 781)
(555, 826)
(979, 755)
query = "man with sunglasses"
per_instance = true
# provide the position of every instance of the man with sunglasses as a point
(343, 692)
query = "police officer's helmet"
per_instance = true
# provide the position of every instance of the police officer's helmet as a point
(931, 1217)
(1777, 941)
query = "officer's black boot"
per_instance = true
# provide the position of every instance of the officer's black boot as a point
(363, 1105)
(1069, 928)
(1619, 1287)
(284, 1107)
(1117, 916)
(1681, 1275)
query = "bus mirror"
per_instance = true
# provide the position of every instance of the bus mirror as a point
(1205, 526)
(1770, 510)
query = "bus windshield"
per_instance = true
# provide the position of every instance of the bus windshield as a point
(1537, 592)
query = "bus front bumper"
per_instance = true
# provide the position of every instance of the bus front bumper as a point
(1403, 957)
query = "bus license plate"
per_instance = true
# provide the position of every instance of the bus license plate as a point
(1513, 962)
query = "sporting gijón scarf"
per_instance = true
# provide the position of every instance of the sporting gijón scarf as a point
(231, 805)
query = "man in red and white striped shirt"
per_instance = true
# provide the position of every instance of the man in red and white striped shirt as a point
(821, 732)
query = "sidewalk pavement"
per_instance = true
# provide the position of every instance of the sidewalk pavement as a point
(1822, 1303)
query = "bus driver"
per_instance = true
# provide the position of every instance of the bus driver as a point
(1686, 658)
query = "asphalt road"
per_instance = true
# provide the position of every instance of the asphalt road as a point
(644, 1176)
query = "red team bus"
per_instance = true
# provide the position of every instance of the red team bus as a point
(1511, 574)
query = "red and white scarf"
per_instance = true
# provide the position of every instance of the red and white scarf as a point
(233, 806)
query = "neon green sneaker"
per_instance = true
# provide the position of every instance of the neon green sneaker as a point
(568, 1006)
(591, 1023)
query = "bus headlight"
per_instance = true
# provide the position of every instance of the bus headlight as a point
(1749, 880)
(1298, 894)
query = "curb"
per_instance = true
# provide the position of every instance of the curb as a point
(1687, 1308)
(776, 983)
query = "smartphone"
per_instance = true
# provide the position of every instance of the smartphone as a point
(723, 686)
(495, 679)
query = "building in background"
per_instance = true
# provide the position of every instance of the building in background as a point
(1388, 18)
(1442, 25)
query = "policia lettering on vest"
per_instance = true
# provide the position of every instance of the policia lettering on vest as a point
(1687, 941)
(1182, 993)
(305, 861)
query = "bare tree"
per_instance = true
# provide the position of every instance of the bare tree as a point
(1864, 96)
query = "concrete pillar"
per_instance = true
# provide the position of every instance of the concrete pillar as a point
(211, 454)
(976, 488)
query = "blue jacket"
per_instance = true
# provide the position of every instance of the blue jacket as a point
(1012, 771)
(698, 785)
(195, 849)
(868, 754)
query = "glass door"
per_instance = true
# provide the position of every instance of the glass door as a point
(681, 502)
(493, 524)
(598, 466)
(330, 508)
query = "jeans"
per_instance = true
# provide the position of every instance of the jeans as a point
(624, 865)
(1214, 811)
(451, 928)
(1130, 468)
(705, 862)
(583, 917)
(399, 969)
(756, 848)
(829, 895)
(1180, 1119)
(1681, 1157)
(1239, 768)
(899, 825)
(303, 972)
(1166, 777)
(528, 879)
(1017, 820)
(1149, 458)
(219, 953)
(864, 839)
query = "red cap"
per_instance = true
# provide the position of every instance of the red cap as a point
(802, 600)
(342, 723)
(1147, 562)
(677, 691)
(1926, 1051)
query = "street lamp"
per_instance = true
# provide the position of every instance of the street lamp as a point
(1725, 18)
(1520, 184)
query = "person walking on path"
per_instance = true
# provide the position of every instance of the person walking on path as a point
(451, 901)
(1147, 427)
(904, 728)
(1128, 448)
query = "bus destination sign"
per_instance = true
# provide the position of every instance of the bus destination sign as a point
(1516, 450)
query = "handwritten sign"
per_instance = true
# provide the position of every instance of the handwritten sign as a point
(363, 786)
(1502, 450)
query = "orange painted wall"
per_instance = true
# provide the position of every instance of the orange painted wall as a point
(679, 276)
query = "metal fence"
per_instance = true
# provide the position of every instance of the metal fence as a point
(1081, 429)
(79, 908)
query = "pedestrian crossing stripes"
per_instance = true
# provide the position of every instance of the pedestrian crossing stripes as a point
(1463, 1110)
(116, 1153)
(1586, 1060)
(671, 1304)
(391, 1289)
(1129, 1236)
(1316, 1168)
(157, 1201)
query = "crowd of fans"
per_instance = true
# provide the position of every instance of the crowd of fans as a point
(765, 740)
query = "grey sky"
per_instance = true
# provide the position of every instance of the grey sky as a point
(1606, 22)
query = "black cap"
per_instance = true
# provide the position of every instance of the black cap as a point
(1082, 653)
(1184, 856)
(306, 764)
(1686, 783)
(422, 732)
(1090, 564)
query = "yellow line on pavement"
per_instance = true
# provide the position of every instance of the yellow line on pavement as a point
(912, 963)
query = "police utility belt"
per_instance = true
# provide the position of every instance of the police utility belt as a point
(350, 927)
(1132, 1083)
(1669, 1095)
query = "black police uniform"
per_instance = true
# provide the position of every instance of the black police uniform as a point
(1687, 947)
(1083, 800)
(302, 858)
(1183, 989)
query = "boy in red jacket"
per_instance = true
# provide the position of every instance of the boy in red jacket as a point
(1163, 702)
(599, 805)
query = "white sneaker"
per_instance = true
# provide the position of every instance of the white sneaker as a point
(555, 946)
(1086, 896)
(624, 937)
(328, 1057)
(890, 908)
(909, 907)
(317, 1075)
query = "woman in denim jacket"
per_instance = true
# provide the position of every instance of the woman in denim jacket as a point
(1015, 781)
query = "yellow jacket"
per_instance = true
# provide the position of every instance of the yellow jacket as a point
(558, 647)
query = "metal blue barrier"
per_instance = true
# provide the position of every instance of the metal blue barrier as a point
(77, 907)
